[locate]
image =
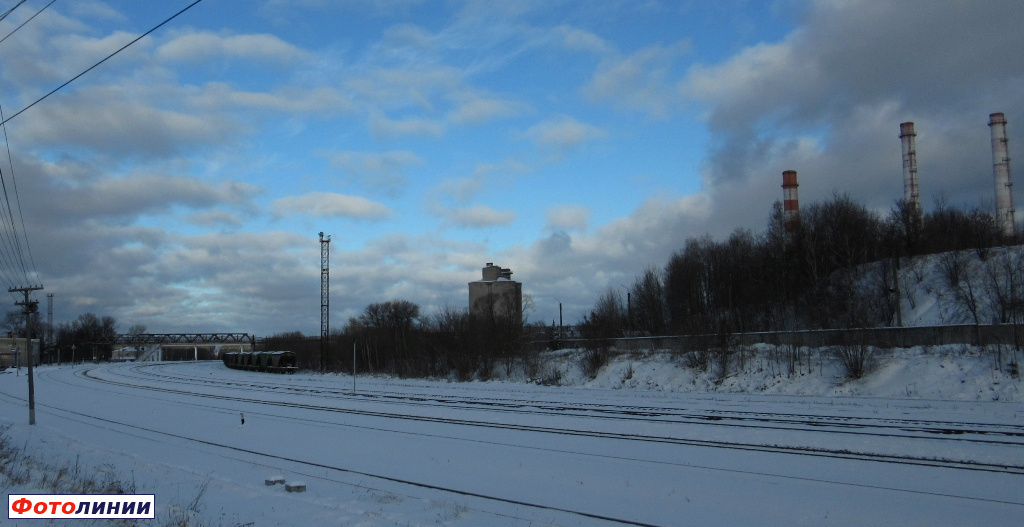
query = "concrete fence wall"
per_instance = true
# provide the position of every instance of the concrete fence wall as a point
(880, 337)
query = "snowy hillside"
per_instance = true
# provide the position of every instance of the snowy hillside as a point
(928, 298)
(942, 289)
(951, 372)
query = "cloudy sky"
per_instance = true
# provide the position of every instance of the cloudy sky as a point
(182, 183)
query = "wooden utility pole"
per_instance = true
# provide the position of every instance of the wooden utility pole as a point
(28, 307)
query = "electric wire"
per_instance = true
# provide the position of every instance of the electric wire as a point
(29, 19)
(17, 201)
(14, 254)
(11, 10)
(108, 57)
(11, 253)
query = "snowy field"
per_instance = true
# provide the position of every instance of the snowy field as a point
(931, 438)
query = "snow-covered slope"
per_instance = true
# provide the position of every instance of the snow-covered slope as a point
(928, 298)
(952, 372)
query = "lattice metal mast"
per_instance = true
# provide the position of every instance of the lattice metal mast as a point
(325, 297)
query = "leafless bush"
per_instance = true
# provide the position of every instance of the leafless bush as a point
(722, 357)
(856, 359)
(188, 516)
(594, 359)
(12, 466)
(19, 467)
(551, 377)
(698, 359)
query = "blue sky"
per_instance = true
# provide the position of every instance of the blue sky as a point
(182, 184)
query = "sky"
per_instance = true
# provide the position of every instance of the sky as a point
(182, 183)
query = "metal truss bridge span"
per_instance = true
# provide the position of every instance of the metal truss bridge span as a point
(184, 338)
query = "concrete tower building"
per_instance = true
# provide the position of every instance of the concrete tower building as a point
(496, 294)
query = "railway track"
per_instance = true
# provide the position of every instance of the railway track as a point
(337, 468)
(531, 408)
(982, 433)
(638, 437)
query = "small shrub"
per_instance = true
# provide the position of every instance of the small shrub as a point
(593, 360)
(552, 377)
(856, 359)
(698, 360)
(722, 357)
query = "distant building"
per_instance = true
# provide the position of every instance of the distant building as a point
(496, 294)
(12, 352)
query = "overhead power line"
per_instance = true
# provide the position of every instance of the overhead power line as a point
(11, 10)
(14, 269)
(17, 201)
(29, 19)
(90, 68)
(12, 254)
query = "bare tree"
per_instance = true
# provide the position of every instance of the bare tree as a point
(648, 303)
(604, 323)
(962, 284)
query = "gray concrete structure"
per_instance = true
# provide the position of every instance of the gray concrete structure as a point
(1005, 216)
(496, 294)
(12, 352)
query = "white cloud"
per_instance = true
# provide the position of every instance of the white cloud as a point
(385, 128)
(198, 46)
(582, 40)
(330, 205)
(575, 267)
(108, 120)
(95, 9)
(564, 133)
(568, 217)
(478, 216)
(316, 100)
(215, 218)
(462, 190)
(410, 86)
(474, 110)
(844, 80)
(377, 170)
(142, 193)
(640, 82)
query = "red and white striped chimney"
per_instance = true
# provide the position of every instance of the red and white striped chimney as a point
(1001, 171)
(790, 200)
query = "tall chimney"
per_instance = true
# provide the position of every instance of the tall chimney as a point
(911, 193)
(1001, 170)
(790, 201)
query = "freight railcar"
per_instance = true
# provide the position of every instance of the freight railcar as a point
(271, 361)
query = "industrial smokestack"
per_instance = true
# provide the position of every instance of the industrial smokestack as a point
(1001, 171)
(790, 201)
(910, 188)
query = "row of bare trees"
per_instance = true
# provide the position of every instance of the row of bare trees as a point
(88, 337)
(393, 337)
(837, 268)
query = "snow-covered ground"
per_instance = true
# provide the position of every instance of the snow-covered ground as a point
(930, 437)
(950, 372)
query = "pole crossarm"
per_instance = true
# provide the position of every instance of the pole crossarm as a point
(183, 338)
